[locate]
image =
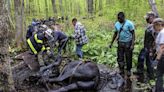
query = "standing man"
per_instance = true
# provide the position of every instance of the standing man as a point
(124, 31)
(158, 25)
(79, 36)
(147, 52)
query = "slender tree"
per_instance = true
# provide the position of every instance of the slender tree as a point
(95, 7)
(100, 7)
(61, 7)
(19, 12)
(107, 2)
(90, 6)
(9, 6)
(6, 82)
(54, 7)
(38, 1)
(46, 8)
(27, 7)
(153, 7)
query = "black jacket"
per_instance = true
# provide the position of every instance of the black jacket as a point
(149, 39)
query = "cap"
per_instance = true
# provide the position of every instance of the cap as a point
(44, 26)
(148, 14)
(48, 32)
(158, 20)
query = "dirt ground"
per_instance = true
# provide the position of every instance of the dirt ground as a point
(25, 81)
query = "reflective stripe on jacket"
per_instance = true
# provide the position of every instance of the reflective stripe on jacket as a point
(36, 43)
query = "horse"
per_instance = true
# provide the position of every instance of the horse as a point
(77, 75)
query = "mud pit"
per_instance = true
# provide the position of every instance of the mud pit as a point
(26, 81)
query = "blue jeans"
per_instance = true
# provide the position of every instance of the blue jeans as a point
(79, 51)
(144, 56)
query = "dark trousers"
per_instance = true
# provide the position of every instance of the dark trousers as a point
(124, 53)
(144, 56)
(160, 72)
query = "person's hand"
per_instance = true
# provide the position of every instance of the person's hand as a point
(71, 37)
(110, 46)
(150, 54)
(154, 64)
(132, 47)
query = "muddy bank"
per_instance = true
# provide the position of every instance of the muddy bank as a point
(24, 80)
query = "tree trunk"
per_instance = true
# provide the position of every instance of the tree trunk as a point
(30, 7)
(90, 6)
(46, 8)
(9, 8)
(6, 82)
(54, 7)
(100, 7)
(107, 2)
(39, 6)
(19, 11)
(23, 39)
(153, 7)
(61, 7)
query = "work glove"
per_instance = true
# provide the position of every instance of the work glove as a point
(71, 37)
(154, 63)
(49, 53)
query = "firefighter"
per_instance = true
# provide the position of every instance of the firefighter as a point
(37, 44)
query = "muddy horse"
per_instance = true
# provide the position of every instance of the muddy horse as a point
(76, 75)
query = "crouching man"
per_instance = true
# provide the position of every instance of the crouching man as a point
(37, 44)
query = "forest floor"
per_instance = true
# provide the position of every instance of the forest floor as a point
(102, 33)
(25, 81)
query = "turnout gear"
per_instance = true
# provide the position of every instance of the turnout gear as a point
(36, 43)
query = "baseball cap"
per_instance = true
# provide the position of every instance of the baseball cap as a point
(158, 20)
(148, 14)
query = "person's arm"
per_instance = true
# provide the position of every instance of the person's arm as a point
(160, 52)
(145, 39)
(161, 48)
(133, 39)
(132, 30)
(114, 37)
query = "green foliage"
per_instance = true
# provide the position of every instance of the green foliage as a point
(134, 9)
(99, 30)
(99, 39)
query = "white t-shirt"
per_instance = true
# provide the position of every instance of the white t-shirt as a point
(160, 39)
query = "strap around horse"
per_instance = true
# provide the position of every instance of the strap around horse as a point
(74, 70)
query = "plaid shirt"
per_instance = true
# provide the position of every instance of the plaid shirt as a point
(79, 34)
